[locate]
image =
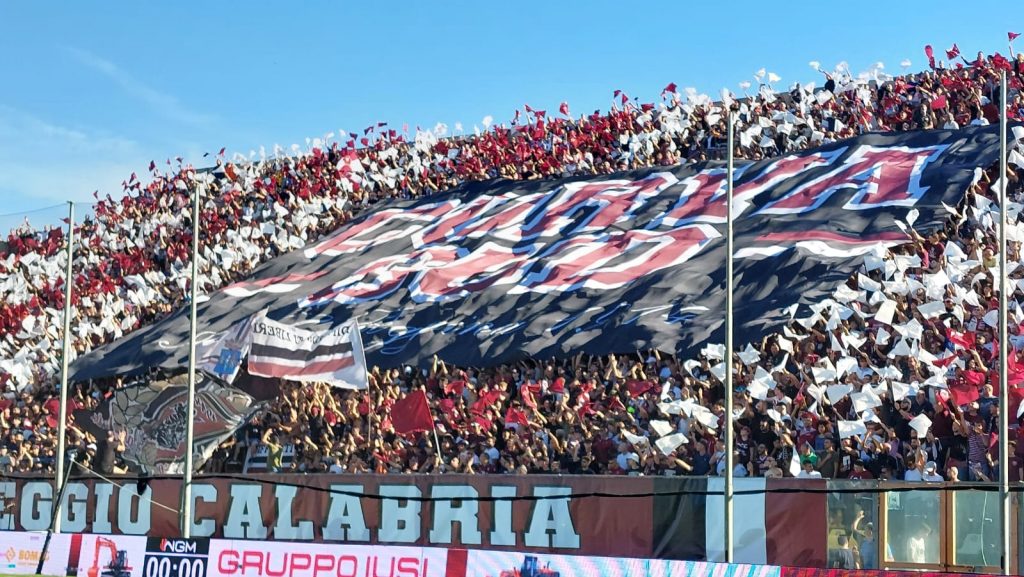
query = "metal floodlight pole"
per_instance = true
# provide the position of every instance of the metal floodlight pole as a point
(729, 461)
(1004, 393)
(186, 495)
(62, 413)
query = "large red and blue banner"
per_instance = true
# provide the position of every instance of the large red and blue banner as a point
(494, 271)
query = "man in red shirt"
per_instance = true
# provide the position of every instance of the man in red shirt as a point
(859, 472)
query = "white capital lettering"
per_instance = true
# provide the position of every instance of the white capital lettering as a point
(101, 524)
(502, 534)
(140, 524)
(208, 494)
(551, 523)
(446, 514)
(285, 528)
(399, 523)
(73, 512)
(345, 521)
(36, 506)
(7, 491)
(245, 519)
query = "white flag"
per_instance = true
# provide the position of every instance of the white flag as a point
(333, 355)
(223, 356)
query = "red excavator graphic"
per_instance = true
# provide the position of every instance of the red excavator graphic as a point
(118, 566)
(531, 568)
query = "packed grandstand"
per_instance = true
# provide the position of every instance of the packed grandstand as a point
(579, 414)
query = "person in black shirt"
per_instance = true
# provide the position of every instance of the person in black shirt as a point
(920, 404)
(108, 451)
(745, 446)
(763, 434)
(842, 557)
(701, 461)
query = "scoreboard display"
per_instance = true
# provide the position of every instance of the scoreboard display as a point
(176, 557)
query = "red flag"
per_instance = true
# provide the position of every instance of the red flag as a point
(558, 386)
(616, 405)
(963, 393)
(939, 103)
(962, 340)
(455, 387)
(585, 409)
(931, 56)
(446, 405)
(638, 388)
(953, 52)
(670, 88)
(1001, 63)
(1012, 36)
(486, 399)
(412, 414)
(516, 417)
(526, 393)
(564, 108)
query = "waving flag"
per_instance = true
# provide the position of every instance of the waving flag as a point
(412, 414)
(495, 271)
(223, 356)
(286, 352)
(153, 420)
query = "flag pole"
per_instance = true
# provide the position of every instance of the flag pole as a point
(186, 496)
(437, 444)
(369, 391)
(1004, 393)
(729, 464)
(62, 414)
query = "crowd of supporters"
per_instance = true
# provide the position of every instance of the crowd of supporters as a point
(867, 357)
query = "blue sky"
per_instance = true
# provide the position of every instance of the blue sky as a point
(91, 92)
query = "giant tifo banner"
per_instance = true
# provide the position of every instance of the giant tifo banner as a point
(494, 271)
(647, 517)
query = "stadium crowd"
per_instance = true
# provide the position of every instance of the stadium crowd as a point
(892, 378)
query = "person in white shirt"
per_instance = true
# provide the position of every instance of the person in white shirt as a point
(915, 472)
(738, 469)
(929, 473)
(918, 545)
(808, 471)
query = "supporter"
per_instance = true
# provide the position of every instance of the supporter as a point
(930, 474)
(807, 471)
(859, 472)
